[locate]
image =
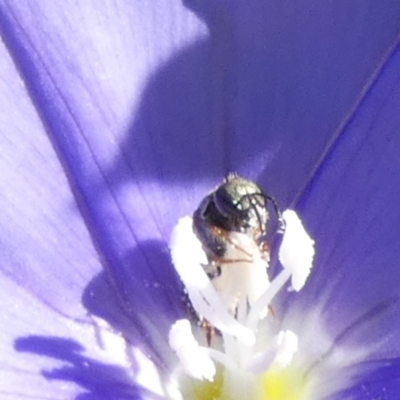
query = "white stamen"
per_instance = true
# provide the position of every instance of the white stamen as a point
(188, 258)
(262, 361)
(288, 346)
(237, 300)
(280, 351)
(194, 359)
(266, 298)
(296, 253)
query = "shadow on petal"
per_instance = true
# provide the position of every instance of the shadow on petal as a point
(234, 101)
(144, 311)
(102, 381)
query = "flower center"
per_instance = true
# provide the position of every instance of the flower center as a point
(249, 358)
(284, 384)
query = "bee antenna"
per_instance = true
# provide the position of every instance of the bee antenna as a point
(266, 197)
(281, 221)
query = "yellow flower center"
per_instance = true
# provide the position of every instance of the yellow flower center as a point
(277, 384)
(283, 384)
(193, 389)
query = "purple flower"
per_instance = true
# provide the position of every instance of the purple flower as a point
(117, 118)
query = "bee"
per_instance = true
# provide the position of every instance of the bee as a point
(236, 206)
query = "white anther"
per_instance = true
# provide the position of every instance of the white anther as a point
(194, 359)
(296, 253)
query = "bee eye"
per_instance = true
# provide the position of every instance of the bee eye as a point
(226, 203)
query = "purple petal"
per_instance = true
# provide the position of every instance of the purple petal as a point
(289, 75)
(84, 106)
(79, 106)
(352, 209)
(381, 383)
(46, 248)
(47, 256)
(138, 102)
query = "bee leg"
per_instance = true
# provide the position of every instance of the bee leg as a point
(210, 331)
